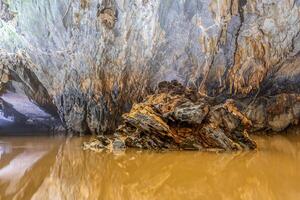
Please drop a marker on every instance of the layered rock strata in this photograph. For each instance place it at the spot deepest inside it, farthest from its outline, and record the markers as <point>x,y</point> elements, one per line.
<point>178,118</point>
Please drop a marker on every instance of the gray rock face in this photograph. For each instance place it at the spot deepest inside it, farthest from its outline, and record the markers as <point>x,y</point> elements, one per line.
<point>95,58</point>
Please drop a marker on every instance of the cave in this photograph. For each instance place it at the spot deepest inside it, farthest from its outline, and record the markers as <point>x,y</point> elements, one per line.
<point>149,99</point>
<point>25,105</point>
<point>23,116</point>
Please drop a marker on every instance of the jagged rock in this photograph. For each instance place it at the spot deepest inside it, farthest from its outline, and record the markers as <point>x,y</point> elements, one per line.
<point>189,113</point>
<point>274,113</point>
<point>172,119</point>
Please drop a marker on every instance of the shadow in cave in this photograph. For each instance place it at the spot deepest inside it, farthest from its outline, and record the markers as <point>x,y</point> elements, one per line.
<point>21,116</point>
<point>24,130</point>
<point>26,108</point>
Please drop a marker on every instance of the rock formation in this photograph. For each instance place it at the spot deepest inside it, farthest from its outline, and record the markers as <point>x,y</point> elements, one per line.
<point>89,61</point>
<point>177,118</point>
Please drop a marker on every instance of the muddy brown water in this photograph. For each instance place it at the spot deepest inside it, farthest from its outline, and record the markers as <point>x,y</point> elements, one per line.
<point>57,168</point>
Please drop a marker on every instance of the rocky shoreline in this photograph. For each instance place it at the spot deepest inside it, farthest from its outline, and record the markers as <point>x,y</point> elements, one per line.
<point>178,118</point>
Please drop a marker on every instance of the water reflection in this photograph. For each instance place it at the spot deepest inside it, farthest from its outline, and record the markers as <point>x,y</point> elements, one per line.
<point>59,169</point>
<point>4,149</point>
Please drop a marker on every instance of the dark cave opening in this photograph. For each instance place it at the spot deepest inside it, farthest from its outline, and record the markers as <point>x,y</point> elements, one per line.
<point>26,108</point>
<point>20,114</point>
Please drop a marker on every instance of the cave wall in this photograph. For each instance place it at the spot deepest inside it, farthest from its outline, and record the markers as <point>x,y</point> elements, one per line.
<point>97,57</point>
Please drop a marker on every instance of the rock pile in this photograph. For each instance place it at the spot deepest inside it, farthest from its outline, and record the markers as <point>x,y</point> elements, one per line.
<point>177,118</point>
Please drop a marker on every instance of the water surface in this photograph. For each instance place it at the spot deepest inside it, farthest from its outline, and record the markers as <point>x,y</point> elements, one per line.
<point>57,168</point>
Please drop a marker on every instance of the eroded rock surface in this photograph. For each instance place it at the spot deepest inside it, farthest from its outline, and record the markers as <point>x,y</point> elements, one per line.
<point>178,118</point>
<point>96,58</point>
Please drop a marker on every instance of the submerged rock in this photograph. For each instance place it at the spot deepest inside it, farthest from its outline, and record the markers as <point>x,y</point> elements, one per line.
<point>178,118</point>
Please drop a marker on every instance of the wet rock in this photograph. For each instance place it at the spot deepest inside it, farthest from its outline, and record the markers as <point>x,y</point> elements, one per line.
<point>175,117</point>
<point>98,144</point>
<point>171,119</point>
<point>118,145</point>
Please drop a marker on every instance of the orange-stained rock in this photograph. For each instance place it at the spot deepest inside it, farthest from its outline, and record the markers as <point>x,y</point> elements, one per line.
<point>177,118</point>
